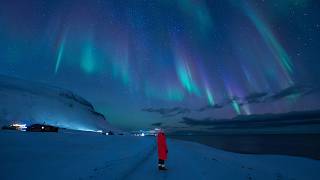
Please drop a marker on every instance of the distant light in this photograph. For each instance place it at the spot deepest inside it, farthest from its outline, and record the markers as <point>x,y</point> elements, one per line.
<point>142,134</point>
<point>42,127</point>
<point>99,131</point>
<point>107,133</point>
<point>85,129</point>
<point>21,127</point>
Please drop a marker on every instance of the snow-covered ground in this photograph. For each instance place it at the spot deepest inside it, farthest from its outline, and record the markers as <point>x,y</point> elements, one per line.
<point>79,155</point>
<point>28,102</point>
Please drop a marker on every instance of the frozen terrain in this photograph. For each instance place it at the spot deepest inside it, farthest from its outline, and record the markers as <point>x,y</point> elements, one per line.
<point>84,155</point>
<point>28,102</point>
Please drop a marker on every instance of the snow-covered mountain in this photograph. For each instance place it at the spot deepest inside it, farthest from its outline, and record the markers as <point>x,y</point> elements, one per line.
<point>23,101</point>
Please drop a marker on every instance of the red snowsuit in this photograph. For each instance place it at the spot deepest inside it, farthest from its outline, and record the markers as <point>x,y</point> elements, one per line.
<point>162,146</point>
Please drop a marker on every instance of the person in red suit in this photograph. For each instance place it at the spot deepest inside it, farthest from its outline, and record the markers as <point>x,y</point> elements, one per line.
<point>162,150</point>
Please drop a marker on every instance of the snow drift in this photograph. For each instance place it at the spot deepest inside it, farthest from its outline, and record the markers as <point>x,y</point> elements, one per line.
<point>29,102</point>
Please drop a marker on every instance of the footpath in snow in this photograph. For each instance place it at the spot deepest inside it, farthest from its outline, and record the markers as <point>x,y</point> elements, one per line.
<point>75,155</point>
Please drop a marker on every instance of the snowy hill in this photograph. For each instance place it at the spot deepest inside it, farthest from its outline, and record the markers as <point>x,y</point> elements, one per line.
<point>28,102</point>
<point>83,155</point>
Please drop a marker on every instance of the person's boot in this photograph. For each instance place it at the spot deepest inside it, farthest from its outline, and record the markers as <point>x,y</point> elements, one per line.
<point>162,168</point>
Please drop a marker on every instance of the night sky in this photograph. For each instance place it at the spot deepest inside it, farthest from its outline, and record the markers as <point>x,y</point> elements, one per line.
<point>156,61</point>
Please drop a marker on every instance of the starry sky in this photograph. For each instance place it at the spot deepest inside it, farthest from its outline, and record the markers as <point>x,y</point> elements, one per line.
<point>144,62</point>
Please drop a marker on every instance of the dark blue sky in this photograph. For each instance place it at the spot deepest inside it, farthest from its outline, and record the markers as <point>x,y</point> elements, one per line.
<point>146,61</point>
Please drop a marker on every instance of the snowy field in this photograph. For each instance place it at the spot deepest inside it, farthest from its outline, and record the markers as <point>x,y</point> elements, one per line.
<point>79,155</point>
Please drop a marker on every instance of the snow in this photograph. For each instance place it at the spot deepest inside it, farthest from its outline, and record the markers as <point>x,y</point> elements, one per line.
<point>29,102</point>
<point>83,155</point>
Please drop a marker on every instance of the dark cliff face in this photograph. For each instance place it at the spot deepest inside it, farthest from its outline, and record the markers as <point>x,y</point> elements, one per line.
<point>72,96</point>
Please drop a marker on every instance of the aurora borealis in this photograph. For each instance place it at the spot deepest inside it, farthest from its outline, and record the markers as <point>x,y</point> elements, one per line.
<point>225,57</point>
